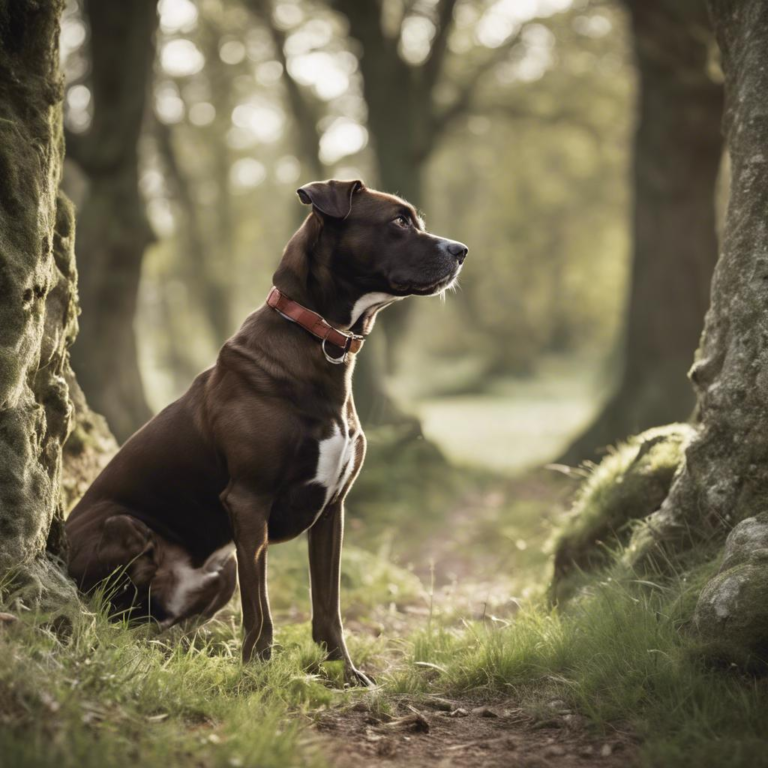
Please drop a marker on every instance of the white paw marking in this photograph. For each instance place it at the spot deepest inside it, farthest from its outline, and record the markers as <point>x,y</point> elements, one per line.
<point>335,462</point>
<point>189,580</point>
<point>368,301</point>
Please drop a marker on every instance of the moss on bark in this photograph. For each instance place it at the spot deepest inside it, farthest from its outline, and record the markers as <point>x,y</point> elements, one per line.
<point>630,484</point>
<point>38,313</point>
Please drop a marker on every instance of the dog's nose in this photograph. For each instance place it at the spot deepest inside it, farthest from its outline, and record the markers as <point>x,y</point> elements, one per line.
<point>458,250</point>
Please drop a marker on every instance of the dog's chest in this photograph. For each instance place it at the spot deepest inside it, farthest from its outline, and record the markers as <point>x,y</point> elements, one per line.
<point>335,461</point>
<point>325,466</point>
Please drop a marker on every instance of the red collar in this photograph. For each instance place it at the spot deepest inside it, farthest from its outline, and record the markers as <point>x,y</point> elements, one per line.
<point>316,325</point>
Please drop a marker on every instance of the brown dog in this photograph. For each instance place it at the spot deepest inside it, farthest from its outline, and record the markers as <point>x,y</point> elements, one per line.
<point>266,444</point>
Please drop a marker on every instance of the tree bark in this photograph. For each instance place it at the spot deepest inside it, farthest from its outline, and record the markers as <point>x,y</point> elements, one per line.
<point>725,478</point>
<point>677,153</point>
<point>38,310</point>
<point>723,486</point>
<point>113,231</point>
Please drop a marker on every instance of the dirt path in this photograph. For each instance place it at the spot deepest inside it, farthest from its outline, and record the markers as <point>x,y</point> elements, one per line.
<point>466,733</point>
<point>471,731</point>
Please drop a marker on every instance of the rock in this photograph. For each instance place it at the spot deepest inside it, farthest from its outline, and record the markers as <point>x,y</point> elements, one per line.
<point>460,712</point>
<point>747,543</point>
<point>386,748</point>
<point>555,750</point>
<point>575,722</point>
<point>606,750</point>
<point>732,612</point>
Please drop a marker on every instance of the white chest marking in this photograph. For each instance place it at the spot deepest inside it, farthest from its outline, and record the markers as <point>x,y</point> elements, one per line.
<point>335,462</point>
<point>189,579</point>
<point>369,301</point>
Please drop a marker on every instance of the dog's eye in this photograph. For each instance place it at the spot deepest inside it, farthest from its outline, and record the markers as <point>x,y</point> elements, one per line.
<point>403,221</point>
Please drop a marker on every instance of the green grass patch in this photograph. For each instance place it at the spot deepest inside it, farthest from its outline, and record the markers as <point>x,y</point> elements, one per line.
<point>97,693</point>
<point>622,657</point>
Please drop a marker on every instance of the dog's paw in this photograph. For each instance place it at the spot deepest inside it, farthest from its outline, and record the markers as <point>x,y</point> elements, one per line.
<point>354,676</point>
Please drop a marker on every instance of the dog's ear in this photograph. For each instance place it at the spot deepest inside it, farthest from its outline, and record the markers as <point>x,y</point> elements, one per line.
<point>332,198</point>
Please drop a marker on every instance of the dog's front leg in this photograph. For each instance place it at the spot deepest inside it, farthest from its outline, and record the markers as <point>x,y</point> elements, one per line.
<point>325,539</point>
<point>249,515</point>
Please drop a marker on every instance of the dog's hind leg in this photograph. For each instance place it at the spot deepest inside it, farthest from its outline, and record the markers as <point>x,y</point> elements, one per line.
<point>325,540</point>
<point>249,515</point>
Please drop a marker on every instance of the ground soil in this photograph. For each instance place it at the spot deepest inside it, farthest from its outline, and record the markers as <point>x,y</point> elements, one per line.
<point>470,734</point>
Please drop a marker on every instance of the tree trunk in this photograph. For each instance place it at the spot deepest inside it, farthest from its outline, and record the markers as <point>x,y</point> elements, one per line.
<point>724,479</point>
<point>113,231</point>
<point>677,154</point>
<point>726,472</point>
<point>38,311</point>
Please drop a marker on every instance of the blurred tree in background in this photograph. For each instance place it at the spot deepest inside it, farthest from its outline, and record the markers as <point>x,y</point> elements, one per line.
<point>677,152</point>
<point>112,227</point>
<point>508,123</point>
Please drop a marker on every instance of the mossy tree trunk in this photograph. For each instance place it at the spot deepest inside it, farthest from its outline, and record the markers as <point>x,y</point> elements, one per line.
<point>113,231</point>
<point>721,491</point>
<point>677,153</point>
<point>725,478</point>
<point>38,310</point>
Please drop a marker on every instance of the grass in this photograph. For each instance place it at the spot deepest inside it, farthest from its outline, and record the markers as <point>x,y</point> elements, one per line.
<point>103,694</point>
<point>87,692</point>
<point>621,658</point>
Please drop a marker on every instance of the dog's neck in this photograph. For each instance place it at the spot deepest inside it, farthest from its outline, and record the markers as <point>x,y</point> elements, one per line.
<point>304,275</point>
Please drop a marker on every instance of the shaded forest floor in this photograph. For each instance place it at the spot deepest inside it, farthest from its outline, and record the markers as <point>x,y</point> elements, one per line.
<point>444,586</point>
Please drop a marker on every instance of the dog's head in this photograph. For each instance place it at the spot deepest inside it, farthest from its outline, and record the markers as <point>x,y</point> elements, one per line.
<point>364,249</point>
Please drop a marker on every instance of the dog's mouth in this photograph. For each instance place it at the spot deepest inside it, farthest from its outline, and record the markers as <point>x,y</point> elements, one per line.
<point>434,288</point>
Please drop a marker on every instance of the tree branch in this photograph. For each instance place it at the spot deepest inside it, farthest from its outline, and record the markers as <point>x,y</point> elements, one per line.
<point>304,114</point>
<point>433,65</point>
<point>463,101</point>
<point>365,24</point>
<point>365,27</point>
<point>568,116</point>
